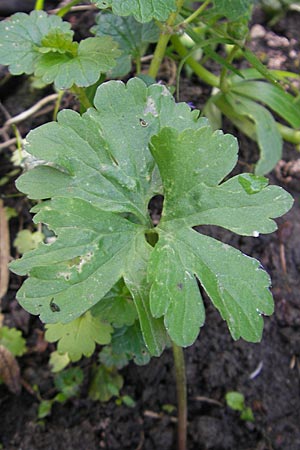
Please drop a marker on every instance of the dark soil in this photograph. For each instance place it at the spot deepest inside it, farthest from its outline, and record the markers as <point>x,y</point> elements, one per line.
<point>268,374</point>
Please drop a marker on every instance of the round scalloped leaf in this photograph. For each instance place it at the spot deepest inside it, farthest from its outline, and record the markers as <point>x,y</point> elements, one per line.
<point>142,10</point>
<point>21,36</point>
<point>94,56</point>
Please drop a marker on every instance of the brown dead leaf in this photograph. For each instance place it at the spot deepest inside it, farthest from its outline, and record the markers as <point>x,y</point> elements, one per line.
<point>4,251</point>
<point>10,370</point>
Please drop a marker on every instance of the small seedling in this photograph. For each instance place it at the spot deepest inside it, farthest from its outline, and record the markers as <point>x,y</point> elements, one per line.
<point>236,401</point>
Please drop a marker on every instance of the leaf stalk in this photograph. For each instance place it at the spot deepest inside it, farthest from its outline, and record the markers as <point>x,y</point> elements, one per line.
<point>163,40</point>
<point>204,74</point>
<point>181,395</point>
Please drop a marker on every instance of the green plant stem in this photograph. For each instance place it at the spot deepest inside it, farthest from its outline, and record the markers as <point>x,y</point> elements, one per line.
<point>199,70</point>
<point>196,13</point>
<point>82,97</point>
<point>181,395</point>
<point>138,65</point>
<point>57,103</point>
<point>163,40</point>
<point>39,4</point>
<point>65,9</point>
<point>289,134</point>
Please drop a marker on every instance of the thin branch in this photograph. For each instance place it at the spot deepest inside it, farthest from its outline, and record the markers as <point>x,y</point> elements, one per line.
<point>29,112</point>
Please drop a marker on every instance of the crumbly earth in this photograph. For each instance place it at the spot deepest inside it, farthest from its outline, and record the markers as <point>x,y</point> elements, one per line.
<point>268,374</point>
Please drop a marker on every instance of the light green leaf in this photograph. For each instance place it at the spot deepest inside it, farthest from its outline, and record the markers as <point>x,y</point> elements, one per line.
<point>79,337</point>
<point>26,240</point>
<point>268,137</point>
<point>133,38</point>
<point>142,10</point>
<point>235,400</point>
<point>42,44</point>
<point>12,339</point>
<point>58,361</point>
<point>94,56</point>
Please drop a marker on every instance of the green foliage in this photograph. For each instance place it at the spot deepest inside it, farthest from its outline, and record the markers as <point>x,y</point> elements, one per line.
<point>236,401</point>
<point>105,191</point>
<point>233,9</point>
<point>79,337</point>
<point>27,240</point>
<point>12,339</point>
<point>106,383</point>
<point>58,361</point>
<point>129,342</point>
<point>117,307</point>
<point>67,384</point>
<point>142,10</point>
<point>42,44</point>
<point>132,37</point>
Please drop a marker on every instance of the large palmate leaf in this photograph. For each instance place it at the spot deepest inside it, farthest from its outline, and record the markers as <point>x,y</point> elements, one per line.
<point>42,44</point>
<point>100,170</point>
<point>236,284</point>
<point>96,166</point>
<point>133,38</point>
<point>142,10</point>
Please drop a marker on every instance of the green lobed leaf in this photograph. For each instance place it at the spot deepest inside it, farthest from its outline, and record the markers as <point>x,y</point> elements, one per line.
<point>21,36</point>
<point>94,56</point>
<point>133,38</point>
<point>12,339</point>
<point>101,175</point>
<point>92,172</point>
<point>42,44</point>
<point>79,337</point>
<point>142,10</point>
<point>198,198</point>
<point>235,283</point>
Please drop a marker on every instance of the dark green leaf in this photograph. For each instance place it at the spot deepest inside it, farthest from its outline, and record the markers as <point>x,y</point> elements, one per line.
<point>133,38</point>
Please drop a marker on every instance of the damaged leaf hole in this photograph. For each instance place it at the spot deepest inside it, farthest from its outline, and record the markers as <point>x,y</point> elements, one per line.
<point>155,207</point>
